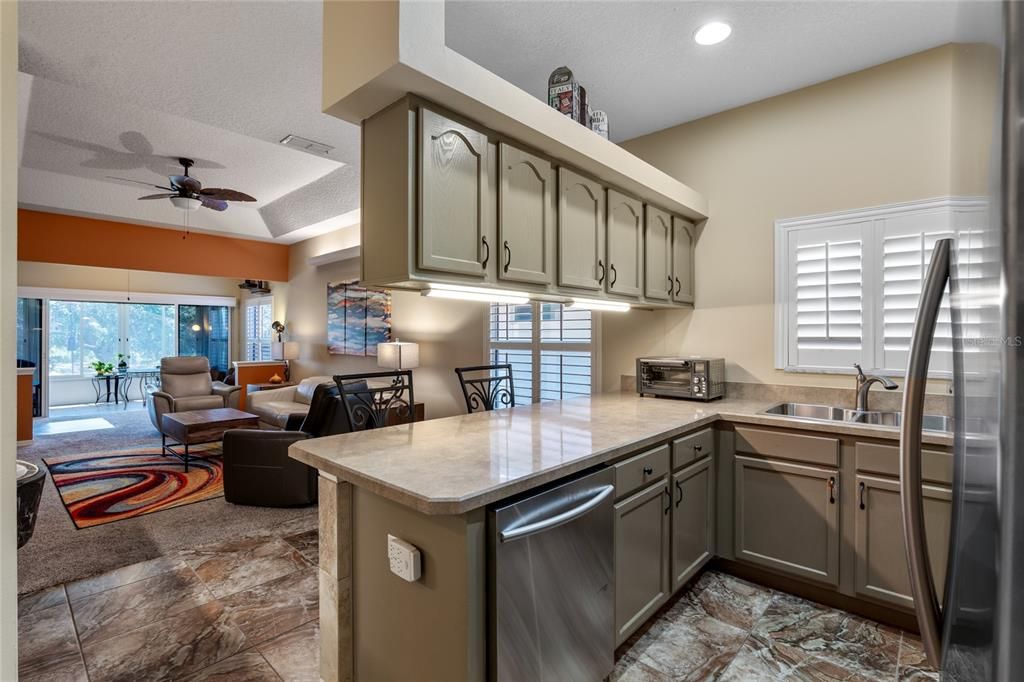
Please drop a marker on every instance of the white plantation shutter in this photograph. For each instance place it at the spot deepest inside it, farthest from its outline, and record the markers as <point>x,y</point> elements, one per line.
<point>826,281</point>
<point>549,347</point>
<point>907,245</point>
<point>258,334</point>
<point>848,284</point>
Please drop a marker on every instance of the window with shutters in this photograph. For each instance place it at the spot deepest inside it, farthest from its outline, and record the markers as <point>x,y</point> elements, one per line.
<point>259,315</point>
<point>550,348</point>
<point>847,284</point>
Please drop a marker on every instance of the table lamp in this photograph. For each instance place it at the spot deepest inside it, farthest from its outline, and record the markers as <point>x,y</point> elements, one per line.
<point>285,350</point>
<point>398,355</point>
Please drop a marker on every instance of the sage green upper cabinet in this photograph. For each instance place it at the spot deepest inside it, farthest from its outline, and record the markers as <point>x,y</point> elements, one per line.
<point>581,230</point>
<point>787,518</point>
<point>658,282</point>
<point>692,520</point>
<point>453,189</point>
<point>625,245</point>
<point>881,549</point>
<point>682,260</point>
<point>526,222</point>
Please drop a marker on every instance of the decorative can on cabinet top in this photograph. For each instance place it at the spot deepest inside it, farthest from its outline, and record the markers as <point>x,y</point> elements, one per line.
<point>564,92</point>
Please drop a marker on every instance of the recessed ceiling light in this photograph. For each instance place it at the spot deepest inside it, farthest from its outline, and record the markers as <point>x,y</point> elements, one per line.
<point>712,33</point>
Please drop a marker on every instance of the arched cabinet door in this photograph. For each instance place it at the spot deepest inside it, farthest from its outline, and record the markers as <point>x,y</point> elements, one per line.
<point>682,260</point>
<point>526,224</point>
<point>625,245</point>
<point>658,282</point>
<point>581,221</point>
<point>453,193</point>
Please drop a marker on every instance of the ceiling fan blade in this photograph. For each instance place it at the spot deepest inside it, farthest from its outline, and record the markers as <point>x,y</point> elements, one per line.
<point>225,194</point>
<point>159,196</point>
<point>185,182</point>
<point>140,182</point>
<point>215,204</point>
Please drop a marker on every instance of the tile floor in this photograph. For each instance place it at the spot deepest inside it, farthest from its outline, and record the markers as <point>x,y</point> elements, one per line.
<point>725,628</point>
<point>247,609</point>
<point>239,610</point>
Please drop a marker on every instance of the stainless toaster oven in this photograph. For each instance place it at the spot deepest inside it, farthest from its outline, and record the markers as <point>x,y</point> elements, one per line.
<point>681,377</point>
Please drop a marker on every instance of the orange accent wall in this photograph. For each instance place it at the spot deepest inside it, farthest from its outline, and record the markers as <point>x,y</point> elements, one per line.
<point>255,374</point>
<point>72,240</point>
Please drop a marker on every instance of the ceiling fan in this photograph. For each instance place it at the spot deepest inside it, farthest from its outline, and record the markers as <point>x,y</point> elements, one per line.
<point>188,194</point>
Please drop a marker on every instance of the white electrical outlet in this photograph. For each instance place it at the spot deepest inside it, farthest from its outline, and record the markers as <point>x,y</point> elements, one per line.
<point>404,559</point>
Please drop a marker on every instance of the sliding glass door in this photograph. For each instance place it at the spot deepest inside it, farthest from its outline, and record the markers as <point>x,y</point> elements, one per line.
<point>149,332</point>
<point>205,330</point>
<point>30,345</point>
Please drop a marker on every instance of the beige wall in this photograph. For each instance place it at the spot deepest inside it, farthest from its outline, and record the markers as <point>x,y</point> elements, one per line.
<point>450,333</point>
<point>874,137</point>
<point>8,349</point>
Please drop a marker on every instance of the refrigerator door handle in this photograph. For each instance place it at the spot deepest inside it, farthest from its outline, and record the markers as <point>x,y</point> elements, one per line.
<point>926,602</point>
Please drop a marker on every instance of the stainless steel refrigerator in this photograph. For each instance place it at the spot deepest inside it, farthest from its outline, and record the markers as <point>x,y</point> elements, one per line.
<point>978,631</point>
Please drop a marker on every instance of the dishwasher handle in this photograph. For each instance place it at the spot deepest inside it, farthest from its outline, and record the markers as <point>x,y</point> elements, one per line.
<point>558,519</point>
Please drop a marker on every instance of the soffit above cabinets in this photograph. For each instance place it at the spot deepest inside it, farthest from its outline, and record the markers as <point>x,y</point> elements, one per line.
<point>376,53</point>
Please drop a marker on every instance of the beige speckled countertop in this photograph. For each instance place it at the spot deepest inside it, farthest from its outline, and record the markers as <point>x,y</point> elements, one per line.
<point>456,464</point>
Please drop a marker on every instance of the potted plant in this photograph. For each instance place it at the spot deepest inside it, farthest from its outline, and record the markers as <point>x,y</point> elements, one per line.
<point>122,362</point>
<point>101,368</point>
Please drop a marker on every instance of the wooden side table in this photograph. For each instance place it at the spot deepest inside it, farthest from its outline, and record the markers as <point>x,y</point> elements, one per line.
<point>267,386</point>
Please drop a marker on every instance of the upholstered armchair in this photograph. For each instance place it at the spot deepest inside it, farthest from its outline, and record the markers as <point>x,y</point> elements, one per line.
<point>257,468</point>
<point>185,384</point>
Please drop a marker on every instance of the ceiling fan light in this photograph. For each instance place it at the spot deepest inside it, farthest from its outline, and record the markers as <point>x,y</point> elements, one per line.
<point>186,203</point>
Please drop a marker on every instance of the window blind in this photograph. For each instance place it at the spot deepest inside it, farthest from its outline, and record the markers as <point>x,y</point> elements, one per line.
<point>258,314</point>
<point>548,346</point>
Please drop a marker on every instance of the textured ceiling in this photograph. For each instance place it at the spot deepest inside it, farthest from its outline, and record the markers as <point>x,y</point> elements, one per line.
<point>120,86</point>
<point>640,64</point>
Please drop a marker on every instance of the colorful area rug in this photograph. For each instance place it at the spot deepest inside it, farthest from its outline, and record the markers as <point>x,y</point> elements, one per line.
<point>103,487</point>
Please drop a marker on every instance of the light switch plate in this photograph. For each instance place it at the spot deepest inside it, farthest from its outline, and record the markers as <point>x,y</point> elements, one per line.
<point>404,559</point>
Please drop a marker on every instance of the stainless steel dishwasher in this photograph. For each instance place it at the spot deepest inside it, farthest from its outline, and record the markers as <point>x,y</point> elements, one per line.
<point>551,583</point>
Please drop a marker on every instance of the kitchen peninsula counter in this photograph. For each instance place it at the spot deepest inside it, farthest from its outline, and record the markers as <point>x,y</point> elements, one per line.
<point>457,464</point>
<point>429,483</point>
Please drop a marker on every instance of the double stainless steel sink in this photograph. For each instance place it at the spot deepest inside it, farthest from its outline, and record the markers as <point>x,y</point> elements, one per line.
<point>829,413</point>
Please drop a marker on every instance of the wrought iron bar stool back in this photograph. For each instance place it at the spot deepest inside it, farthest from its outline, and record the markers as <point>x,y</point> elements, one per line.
<point>377,399</point>
<point>488,387</point>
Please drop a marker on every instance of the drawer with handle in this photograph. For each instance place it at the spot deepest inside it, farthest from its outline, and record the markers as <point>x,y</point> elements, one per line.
<point>692,447</point>
<point>640,470</point>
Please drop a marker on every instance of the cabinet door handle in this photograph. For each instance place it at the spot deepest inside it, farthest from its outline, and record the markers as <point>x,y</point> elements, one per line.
<point>615,275</point>
<point>668,500</point>
<point>679,285</point>
<point>600,264</point>
<point>679,489</point>
<point>508,256</point>
<point>648,471</point>
<point>670,285</point>
<point>831,489</point>
<point>487,251</point>
<point>862,486</point>
<point>698,448</point>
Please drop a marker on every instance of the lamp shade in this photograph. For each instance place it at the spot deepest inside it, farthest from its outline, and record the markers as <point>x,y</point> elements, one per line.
<point>287,350</point>
<point>398,355</point>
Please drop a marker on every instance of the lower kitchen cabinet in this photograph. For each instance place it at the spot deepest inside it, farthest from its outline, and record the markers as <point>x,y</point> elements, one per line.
<point>692,520</point>
<point>881,550</point>
<point>642,540</point>
<point>787,518</point>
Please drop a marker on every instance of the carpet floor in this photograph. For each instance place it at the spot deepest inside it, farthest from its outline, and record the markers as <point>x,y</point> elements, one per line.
<point>58,552</point>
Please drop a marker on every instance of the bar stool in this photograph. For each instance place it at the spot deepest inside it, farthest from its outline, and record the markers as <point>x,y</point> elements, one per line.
<point>377,399</point>
<point>487,387</point>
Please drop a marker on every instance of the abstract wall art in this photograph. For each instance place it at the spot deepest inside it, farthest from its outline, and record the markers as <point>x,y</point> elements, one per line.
<point>357,318</point>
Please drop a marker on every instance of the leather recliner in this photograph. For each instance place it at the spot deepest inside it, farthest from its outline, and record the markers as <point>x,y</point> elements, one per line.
<point>257,468</point>
<point>185,384</point>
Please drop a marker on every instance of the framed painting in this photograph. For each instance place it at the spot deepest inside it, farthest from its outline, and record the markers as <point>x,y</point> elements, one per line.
<point>357,318</point>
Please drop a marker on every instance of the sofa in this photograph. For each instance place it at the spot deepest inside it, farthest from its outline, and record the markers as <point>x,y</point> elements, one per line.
<point>185,384</point>
<point>276,405</point>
